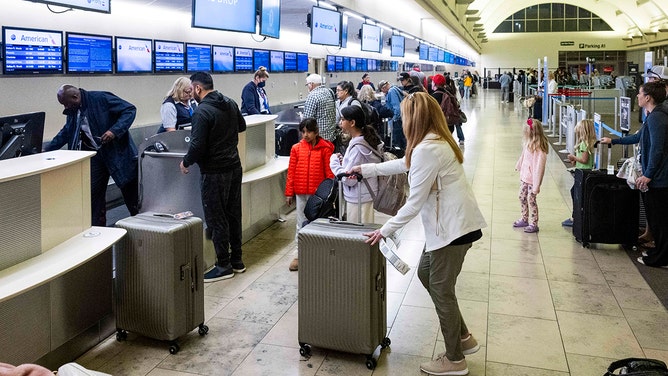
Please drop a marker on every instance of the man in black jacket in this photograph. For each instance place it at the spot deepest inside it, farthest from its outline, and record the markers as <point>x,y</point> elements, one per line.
<point>216,125</point>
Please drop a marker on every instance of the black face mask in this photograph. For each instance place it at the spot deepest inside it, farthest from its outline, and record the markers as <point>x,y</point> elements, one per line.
<point>261,84</point>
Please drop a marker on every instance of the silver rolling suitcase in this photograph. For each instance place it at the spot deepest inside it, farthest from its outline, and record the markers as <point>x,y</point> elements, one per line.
<point>342,297</point>
<point>159,286</point>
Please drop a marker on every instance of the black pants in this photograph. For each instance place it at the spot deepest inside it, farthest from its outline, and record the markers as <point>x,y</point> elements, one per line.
<point>99,179</point>
<point>221,199</point>
<point>656,200</point>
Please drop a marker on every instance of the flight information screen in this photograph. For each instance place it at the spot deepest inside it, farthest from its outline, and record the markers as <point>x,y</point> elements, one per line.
<point>29,51</point>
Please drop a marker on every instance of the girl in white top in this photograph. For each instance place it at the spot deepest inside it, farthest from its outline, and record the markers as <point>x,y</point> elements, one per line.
<point>442,196</point>
<point>364,147</point>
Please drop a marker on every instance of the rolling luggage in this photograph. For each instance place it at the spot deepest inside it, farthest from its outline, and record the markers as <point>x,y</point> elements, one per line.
<point>605,208</point>
<point>342,296</point>
<point>286,135</point>
<point>159,285</point>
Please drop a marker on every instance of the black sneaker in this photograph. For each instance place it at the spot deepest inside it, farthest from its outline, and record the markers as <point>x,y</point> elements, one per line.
<point>218,273</point>
<point>238,266</point>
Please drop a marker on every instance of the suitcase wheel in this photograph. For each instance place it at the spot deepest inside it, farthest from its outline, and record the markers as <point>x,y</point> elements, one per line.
<point>174,347</point>
<point>371,363</point>
<point>305,350</point>
<point>385,342</point>
<point>121,335</point>
<point>203,329</point>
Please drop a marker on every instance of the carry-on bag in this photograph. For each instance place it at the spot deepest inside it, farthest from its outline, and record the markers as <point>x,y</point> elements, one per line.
<point>159,284</point>
<point>342,295</point>
<point>605,208</point>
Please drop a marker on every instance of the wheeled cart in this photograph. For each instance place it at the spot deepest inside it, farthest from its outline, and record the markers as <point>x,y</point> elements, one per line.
<point>159,286</point>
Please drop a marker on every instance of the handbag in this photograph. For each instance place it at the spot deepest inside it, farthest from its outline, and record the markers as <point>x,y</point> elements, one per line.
<point>462,117</point>
<point>637,367</point>
<point>631,170</point>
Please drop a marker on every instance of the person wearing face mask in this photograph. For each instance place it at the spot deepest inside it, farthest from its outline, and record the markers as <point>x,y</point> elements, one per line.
<point>178,107</point>
<point>253,97</point>
<point>99,121</point>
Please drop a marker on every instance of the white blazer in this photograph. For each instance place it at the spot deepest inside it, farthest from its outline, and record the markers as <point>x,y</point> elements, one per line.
<point>439,192</point>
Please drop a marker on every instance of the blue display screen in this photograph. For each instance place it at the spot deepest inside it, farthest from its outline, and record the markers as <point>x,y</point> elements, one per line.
<point>233,15</point>
<point>89,53</point>
<point>199,57</point>
<point>260,59</point>
<point>424,51</point>
<point>346,64</point>
<point>441,56</point>
<point>353,64</point>
<point>134,55</point>
<point>433,54</point>
<point>290,61</point>
<point>338,64</point>
<point>223,59</point>
<point>331,63</point>
<point>169,56</point>
<point>277,61</point>
<point>398,44</point>
<point>32,51</point>
<point>372,38</point>
<point>325,26</point>
<point>243,59</point>
<point>270,18</point>
<point>302,62</point>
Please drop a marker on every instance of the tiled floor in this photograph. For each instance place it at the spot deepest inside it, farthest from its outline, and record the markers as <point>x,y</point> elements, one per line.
<point>539,304</point>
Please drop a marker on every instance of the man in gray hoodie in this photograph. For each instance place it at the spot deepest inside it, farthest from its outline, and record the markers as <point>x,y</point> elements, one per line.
<point>216,125</point>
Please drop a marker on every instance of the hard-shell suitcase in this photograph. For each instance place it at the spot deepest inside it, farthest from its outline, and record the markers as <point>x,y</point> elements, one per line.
<point>286,135</point>
<point>159,286</point>
<point>605,209</point>
<point>342,297</point>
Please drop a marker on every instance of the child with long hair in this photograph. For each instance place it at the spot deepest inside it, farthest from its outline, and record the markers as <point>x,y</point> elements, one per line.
<point>585,135</point>
<point>364,147</point>
<point>531,166</point>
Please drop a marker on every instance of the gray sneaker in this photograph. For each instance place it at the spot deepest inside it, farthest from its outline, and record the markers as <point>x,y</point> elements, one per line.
<point>470,345</point>
<point>443,366</point>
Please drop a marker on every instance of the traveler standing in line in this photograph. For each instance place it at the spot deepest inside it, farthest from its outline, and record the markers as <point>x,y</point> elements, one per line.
<point>99,121</point>
<point>441,88</point>
<point>320,104</point>
<point>468,82</point>
<point>366,80</point>
<point>505,80</point>
<point>365,147</point>
<point>178,107</point>
<point>438,188</point>
<point>253,96</point>
<point>584,154</point>
<point>216,125</point>
<point>653,140</point>
<point>346,96</point>
<point>531,166</point>
<point>393,99</point>
<point>308,167</point>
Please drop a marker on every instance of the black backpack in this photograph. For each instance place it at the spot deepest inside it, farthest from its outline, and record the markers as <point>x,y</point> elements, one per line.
<point>637,367</point>
<point>322,203</point>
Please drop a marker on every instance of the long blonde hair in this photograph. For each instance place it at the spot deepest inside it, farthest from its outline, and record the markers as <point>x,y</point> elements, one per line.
<point>534,136</point>
<point>585,132</point>
<point>421,115</point>
<point>179,86</point>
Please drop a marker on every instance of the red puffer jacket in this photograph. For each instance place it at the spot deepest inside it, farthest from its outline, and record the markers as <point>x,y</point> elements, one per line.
<point>309,166</point>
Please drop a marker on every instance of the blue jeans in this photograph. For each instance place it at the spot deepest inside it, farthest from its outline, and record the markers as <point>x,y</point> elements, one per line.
<point>460,132</point>
<point>221,199</point>
<point>398,138</point>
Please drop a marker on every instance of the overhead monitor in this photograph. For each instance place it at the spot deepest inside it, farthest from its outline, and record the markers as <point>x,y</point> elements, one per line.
<point>424,51</point>
<point>344,31</point>
<point>346,64</point>
<point>325,26</point>
<point>230,15</point>
<point>302,62</point>
<point>30,51</point>
<point>133,55</point>
<point>398,46</point>
<point>290,61</point>
<point>260,59</point>
<point>432,55</point>
<point>338,63</point>
<point>441,56</point>
<point>270,18</point>
<point>169,56</point>
<point>353,64</point>
<point>103,6</point>
<point>372,38</point>
<point>277,61</point>
<point>21,134</point>
<point>243,59</point>
<point>87,53</point>
<point>198,57</point>
<point>223,59</point>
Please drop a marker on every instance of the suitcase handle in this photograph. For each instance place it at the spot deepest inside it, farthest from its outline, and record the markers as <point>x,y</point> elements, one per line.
<point>347,175</point>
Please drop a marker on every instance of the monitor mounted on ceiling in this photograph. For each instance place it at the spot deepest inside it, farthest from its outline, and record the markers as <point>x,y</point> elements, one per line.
<point>270,18</point>
<point>325,27</point>
<point>372,38</point>
<point>103,6</point>
<point>398,44</point>
<point>228,15</point>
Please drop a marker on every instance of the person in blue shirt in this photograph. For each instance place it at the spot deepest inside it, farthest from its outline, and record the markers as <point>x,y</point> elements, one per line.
<point>393,98</point>
<point>178,107</point>
<point>253,96</point>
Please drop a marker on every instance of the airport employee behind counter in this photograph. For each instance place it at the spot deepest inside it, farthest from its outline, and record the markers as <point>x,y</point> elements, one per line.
<point>99,121</point>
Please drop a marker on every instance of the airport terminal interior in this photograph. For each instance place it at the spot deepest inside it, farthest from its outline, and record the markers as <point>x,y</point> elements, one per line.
<point>539,304</point>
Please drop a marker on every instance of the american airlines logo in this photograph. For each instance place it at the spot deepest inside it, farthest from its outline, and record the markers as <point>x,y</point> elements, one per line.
<point>325,26</point>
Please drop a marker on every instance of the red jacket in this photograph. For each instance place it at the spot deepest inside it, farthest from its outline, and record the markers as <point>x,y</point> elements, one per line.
<point>309,166</point>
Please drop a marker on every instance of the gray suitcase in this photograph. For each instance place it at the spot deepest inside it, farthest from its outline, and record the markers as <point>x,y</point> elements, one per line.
<point>342,298</point>
<point>159,284</point>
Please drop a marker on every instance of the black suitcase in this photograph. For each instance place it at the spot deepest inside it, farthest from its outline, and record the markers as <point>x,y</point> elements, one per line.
<point>286,136</point>
<point>605,209</point>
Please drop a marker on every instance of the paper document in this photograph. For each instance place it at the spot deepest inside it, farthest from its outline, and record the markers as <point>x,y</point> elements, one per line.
<point>389,249</point>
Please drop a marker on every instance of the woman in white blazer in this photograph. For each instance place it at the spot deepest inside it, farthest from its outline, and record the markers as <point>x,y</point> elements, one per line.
<point>440,193</point>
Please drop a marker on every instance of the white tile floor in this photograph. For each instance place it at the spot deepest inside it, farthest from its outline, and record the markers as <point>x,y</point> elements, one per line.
<point>539,304</point>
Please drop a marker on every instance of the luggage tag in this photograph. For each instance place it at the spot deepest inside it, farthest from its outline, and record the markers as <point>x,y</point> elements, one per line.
<point>388,249</point>
<point>181,215</point>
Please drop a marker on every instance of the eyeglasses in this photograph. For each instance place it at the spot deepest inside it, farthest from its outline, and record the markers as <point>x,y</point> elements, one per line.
<point>337,90</point>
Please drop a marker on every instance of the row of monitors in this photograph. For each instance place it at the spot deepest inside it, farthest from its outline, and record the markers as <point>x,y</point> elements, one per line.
<point>30,51</point>
<point>430,53</point>
<point>358,64</point>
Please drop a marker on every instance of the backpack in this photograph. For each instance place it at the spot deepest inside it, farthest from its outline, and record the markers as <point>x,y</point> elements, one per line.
<point>391,189</point>
<point>450,109</point>
<point>372,116</point>
<point>322,203</point>
<point>638,367</point>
